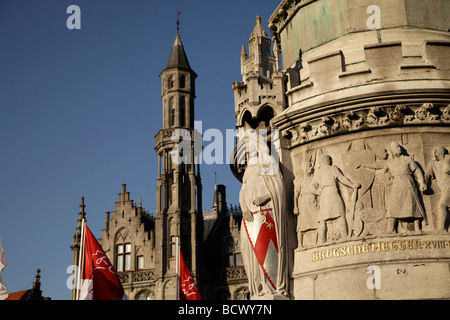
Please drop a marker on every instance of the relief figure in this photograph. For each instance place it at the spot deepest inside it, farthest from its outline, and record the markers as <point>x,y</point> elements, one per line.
<point>440,172</point>
<point>331,205</point>
<point>306,203</point>
<point>403,203</point>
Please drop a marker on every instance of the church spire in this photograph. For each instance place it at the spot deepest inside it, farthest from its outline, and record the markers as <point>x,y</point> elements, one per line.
<point>178,58</point>
<point>82,213</point>
<point>178,191</point>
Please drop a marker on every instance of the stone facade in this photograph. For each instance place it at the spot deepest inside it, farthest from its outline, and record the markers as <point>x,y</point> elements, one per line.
<point>261,94</point>
<point>364,147</point>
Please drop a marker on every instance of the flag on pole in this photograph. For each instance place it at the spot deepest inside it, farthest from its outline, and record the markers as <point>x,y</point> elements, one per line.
<point>188,288</point>
<point>99,278</point>
<point>3,292</point>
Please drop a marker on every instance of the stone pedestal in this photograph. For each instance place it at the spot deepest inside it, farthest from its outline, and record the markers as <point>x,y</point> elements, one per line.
<point>395,267</point>
<point>269,297</point>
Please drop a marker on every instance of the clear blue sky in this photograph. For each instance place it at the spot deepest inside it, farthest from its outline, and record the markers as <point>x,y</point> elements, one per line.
<point>80,109</point>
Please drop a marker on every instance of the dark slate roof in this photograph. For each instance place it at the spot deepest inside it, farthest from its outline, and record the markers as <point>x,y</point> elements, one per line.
<point>178,57</point>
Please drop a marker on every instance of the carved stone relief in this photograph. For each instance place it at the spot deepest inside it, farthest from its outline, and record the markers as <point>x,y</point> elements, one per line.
<point>407,182</point>
<point>371,192</point>
<point>439,170</point>
<point>364,119</point>
<point>123,235</point>
<point>327,178</point>
<point>306,204</point>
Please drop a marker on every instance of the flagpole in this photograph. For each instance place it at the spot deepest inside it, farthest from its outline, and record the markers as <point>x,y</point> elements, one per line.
<point>81,259</point>
<point>177,267</point>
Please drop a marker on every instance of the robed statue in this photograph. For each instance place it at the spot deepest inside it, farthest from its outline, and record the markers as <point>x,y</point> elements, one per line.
<point>263,230</point>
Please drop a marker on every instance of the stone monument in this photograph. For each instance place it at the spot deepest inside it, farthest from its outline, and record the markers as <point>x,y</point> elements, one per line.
<point>364,126</point>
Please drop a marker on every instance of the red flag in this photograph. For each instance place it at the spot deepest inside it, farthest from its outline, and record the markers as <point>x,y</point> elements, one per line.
<point>188,289</point>
<point>99,278</point>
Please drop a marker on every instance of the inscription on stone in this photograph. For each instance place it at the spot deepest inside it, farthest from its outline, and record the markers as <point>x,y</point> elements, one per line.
<point>367,248</point>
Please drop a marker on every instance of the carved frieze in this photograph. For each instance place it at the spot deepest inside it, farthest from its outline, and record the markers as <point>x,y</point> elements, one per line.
<point>371,193</point>
<point>374,117</point>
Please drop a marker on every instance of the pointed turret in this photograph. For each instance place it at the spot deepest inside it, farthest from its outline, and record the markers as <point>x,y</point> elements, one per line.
<point>261,94</point>
<point>178,58</point>
<point>82,213</point>
<point>243,52</point>
<point>258,30</point>
<point>243,58</point>
<point>178,192</point>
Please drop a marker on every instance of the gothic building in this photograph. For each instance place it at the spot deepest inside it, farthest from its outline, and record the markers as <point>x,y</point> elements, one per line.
<point>140,245</point>
<point>360,119</point>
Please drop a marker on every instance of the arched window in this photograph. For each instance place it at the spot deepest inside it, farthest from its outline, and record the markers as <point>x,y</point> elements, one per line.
<point>242,294</point>
<point>171,82</point>
<point>182,111</point>
<point>182,81</point>
<point>172,111</point>
<point>145,295</point>
<point>172,116</point>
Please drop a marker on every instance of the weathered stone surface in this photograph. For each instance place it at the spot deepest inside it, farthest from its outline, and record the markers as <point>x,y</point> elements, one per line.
<point>375,103</point>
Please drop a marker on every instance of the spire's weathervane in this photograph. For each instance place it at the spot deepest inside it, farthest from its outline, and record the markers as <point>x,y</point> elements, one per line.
<point>178,21</point>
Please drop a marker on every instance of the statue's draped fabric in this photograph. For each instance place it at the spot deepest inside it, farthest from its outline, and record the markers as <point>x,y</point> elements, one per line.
<point>267,232</point>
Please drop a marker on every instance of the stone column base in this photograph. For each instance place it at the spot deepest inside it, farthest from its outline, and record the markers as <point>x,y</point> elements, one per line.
<point>396,267</point>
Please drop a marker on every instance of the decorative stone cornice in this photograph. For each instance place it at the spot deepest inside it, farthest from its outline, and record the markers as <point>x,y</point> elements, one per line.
<point>283,14</point>
<point>367,118</point>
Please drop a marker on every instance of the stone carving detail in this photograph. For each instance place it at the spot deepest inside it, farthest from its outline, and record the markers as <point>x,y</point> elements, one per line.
<point>235,273</point>
<point>306,205</point>
<point>404,199</point>
<point>123,235</point>
<point>331,205</point>
<point>376,116</point>
<point>124,277</point>
<point>446,113</point>
<point>369,118</point>
<point>389,188</point>
<point>143,276</point>
<point>440,171</point>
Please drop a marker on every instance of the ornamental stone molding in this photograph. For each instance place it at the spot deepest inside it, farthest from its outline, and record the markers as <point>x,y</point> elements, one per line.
<point>314,126</point>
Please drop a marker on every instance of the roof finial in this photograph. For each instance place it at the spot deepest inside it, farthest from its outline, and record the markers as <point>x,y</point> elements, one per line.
<point>178,21</point>
<point>82,206</point>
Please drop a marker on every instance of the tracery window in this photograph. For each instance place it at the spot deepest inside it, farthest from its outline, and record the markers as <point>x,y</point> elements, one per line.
<point>145,295</point>
<point>123,257</point>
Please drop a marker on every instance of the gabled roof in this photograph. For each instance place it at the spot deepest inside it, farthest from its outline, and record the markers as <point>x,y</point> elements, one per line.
<point>19,295</point>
